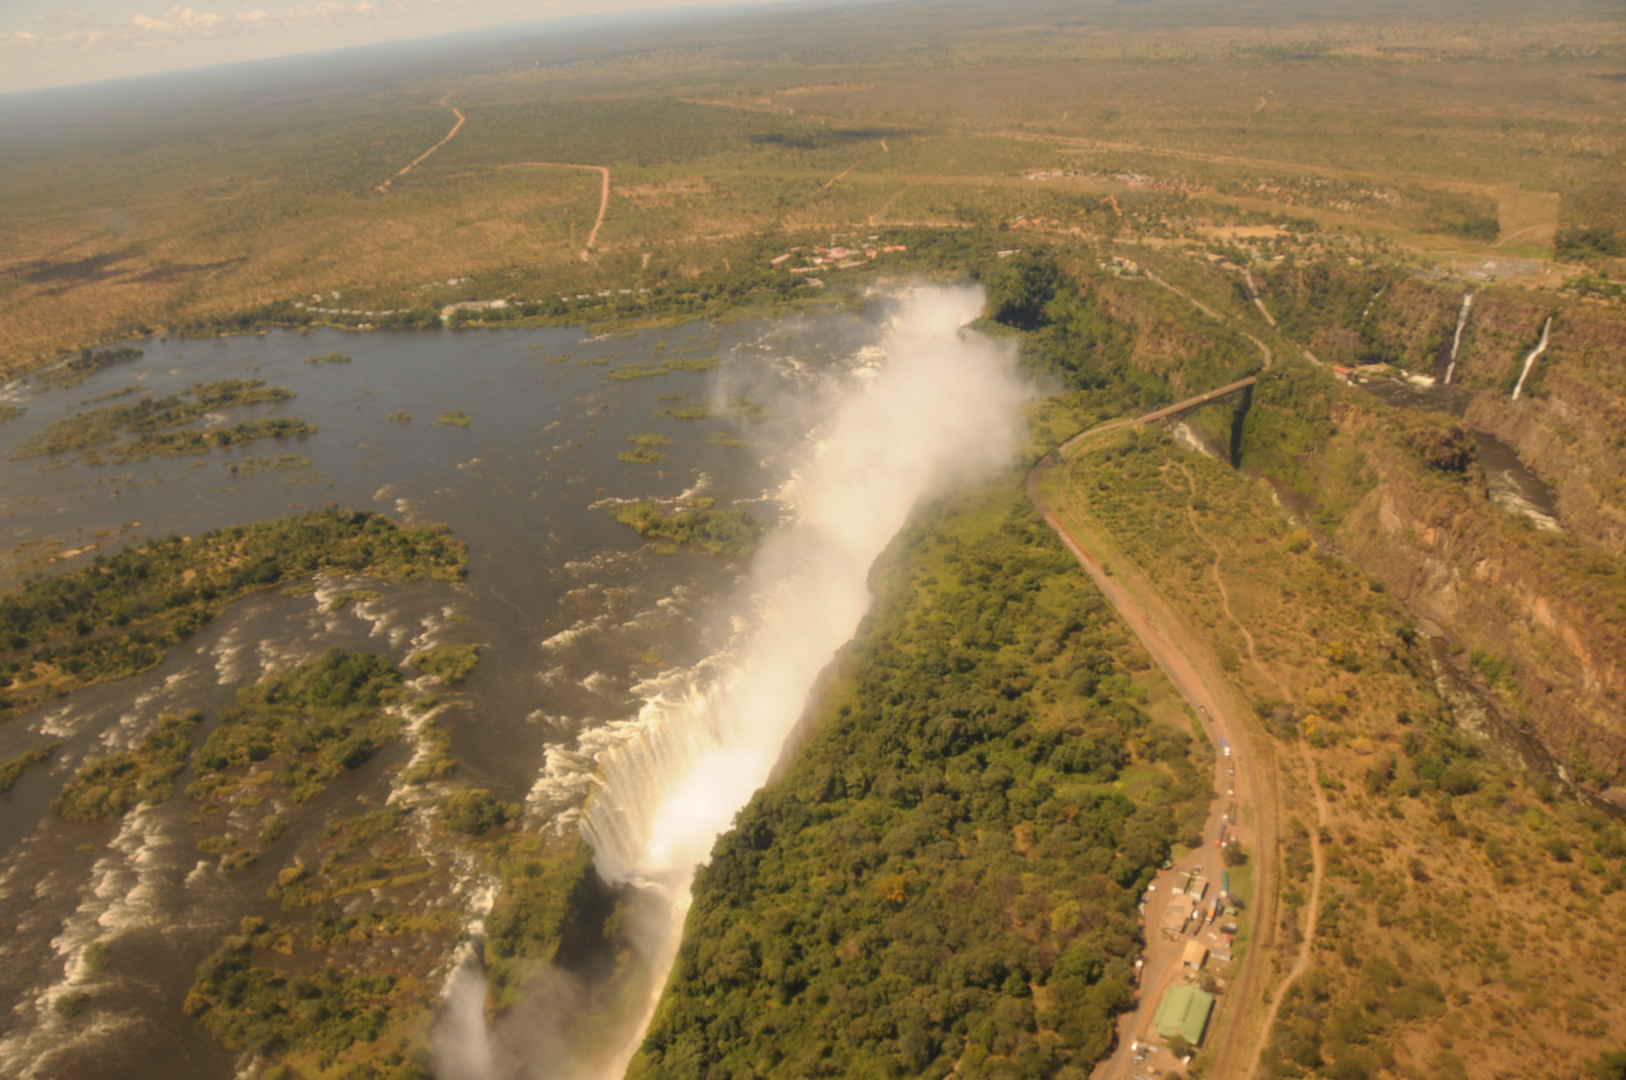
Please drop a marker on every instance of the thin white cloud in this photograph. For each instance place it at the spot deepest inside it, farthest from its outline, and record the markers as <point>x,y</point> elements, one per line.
<point>75,30</point>
<point>179,20</point>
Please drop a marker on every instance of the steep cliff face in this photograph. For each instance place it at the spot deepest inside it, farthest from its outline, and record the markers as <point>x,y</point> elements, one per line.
<point>1569,425</point>
<point>1416,321</point>
<point>1541,616</point>
<point>1496,585</point>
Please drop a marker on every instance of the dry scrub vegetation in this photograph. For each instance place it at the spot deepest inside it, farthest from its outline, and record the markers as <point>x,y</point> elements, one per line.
<point>1465,130</point>
<point>1469,914</point>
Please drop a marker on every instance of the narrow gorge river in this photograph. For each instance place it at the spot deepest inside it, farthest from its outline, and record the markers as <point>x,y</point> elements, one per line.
<point>1509,483</point>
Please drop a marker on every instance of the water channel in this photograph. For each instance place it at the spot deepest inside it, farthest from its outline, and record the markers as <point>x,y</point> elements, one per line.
<point>577,619</point>
<point>1508,481</point>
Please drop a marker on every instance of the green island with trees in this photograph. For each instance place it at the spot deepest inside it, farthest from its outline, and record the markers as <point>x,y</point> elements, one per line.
<point>149,418</point>
<point>298,730</point>
<point>109,787</point>
<point>11,770</point>
<point>701,526</point>
<point>451,664</point>
<point>121,614</point>
<point>87,362</point>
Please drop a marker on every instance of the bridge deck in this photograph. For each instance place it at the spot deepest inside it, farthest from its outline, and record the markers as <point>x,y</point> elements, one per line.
<point>1200,399</point>
<point>1160,414</point>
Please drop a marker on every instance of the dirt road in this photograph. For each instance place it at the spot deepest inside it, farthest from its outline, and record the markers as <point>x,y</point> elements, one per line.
<point>603,198</point>
<point>604,193</point>
<point>1301,964</point>
<point>1181,655</point>
<point>385,186</point>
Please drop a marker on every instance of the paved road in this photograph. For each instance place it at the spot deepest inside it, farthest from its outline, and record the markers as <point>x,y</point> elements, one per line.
<point>1179,653</point>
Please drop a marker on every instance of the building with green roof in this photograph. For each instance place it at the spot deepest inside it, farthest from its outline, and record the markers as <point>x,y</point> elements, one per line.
<point>1185,1009</point>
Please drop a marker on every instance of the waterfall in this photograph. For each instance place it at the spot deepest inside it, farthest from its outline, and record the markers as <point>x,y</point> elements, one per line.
<point>1456,340</point>
<point>1530,361</point>
<point>941,408</point>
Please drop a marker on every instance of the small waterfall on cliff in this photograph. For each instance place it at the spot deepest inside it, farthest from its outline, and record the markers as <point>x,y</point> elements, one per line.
<point>941,408</point>
<point>1456,340</point>
<point>1530,360</point>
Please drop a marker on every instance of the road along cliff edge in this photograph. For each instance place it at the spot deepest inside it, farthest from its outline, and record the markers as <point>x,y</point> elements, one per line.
<point>1180,653</point>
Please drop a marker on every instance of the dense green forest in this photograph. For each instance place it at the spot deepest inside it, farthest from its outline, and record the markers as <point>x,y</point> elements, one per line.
<point>945,881</point>
<point>121,614</point>
<point>1112,346</point>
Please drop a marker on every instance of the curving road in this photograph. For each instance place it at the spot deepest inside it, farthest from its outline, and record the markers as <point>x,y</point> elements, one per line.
<point>604,193</point>
<point>1234,1033</point>
<point>603,198</point>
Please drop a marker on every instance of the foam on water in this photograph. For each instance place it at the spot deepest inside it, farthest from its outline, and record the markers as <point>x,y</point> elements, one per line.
<point>127,891</point>
<point>56,724</point>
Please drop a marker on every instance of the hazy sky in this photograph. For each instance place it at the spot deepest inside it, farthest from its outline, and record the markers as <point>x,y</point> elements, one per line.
<point>44,43</point>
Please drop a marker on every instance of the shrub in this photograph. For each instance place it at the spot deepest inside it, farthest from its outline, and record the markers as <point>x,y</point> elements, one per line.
<point>107,787</point>
<point>475,811</point>
<point>451,664</point>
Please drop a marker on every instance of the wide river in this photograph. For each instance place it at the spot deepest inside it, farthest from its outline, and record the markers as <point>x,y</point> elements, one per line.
<point>574,615</point>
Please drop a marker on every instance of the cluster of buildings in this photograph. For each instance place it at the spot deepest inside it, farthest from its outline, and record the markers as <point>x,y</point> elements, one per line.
<point>836,257</point>
<point>1191,908</point>
<point>1186,1007</point>
<point>340,311</point>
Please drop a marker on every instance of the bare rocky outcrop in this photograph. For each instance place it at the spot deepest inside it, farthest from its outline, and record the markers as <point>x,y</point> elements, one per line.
<point>1491,583</point>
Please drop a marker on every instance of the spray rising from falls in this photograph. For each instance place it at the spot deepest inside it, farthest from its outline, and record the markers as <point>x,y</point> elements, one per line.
<point>1530,361</point>
<point>941,408</point>
<point>1456,340</point>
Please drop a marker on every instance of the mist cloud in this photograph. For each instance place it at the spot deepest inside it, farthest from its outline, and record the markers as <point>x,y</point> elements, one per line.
<point>940,410</point>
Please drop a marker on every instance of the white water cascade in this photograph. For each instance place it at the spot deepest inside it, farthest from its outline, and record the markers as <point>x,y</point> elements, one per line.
<point>942,408</point>
<point>1456,340</point>
<point>1530,361</point>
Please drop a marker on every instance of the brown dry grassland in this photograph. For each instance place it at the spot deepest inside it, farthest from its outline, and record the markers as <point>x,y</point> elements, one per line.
<point>1478,129</point>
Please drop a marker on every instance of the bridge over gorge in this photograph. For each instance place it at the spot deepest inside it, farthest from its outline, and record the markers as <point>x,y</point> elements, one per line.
<point>1058,454</point>
<point>1200,399</point>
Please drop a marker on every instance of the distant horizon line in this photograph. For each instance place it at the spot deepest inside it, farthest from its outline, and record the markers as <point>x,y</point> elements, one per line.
<point>698,11</point>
